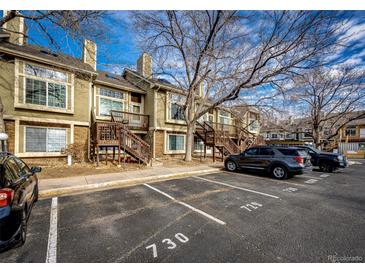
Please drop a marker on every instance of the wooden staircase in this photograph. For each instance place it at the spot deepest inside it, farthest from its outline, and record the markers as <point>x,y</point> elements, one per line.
<point>216,138</point>
<point>117,136</point>
<point>134,145</point>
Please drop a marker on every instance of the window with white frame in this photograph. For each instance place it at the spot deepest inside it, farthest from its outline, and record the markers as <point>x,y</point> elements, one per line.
<point>110,100</point>
<point>225,117</point>
<point>350,131</point>
<point>40,139</point>
<point>176,143</point>
<point>45,87</point>
<point>253,125</point>
<point>176,107</point>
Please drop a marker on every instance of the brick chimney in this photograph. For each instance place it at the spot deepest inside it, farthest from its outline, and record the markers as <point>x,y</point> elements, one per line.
<point>89,53</point>
<point>16,28</point>
<point>144,65</point>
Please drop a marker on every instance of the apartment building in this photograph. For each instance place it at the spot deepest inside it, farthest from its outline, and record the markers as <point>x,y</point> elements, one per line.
<point>53,100</point>
<point>289,131</point>
<point>351,139</point>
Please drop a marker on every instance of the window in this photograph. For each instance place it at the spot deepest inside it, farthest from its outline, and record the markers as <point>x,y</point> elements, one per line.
<point>307,133</point>
<point>274,136</point>
<point>24,169</point>
<point>266,151</point>
<point>5,176</point>
<point>110,100</point>
<point>198,144</point>
<point>36,92</point>
<point>350,131</point>
<point>176,142</point>
<point>111,93</point>
<point>39,139</point>
<point>288,152</point>
<point>14,168</point>
<point>225,117</point>
<point>252,152</point>
<point>45,92</point>
<point>45,73</point>
<point>176,107</point>
<point>56,95</point>
<point>253,125</point>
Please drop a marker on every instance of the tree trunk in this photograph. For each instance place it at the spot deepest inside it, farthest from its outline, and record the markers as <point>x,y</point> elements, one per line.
<point>190,128</point>
<point>2,123</point>
<point>316,137</point>
<point>189,142</point>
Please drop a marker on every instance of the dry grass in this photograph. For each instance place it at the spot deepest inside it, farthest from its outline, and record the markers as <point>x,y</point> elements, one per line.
<point>85,169</point>
<point>62,170</point>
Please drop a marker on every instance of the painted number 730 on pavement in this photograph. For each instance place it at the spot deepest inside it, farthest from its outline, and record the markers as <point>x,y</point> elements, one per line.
<point>169,244</point>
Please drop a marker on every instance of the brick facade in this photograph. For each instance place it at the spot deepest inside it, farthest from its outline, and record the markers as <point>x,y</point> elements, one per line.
<point>81,137</point>
<point>159,143</point>
<point>10,130</point>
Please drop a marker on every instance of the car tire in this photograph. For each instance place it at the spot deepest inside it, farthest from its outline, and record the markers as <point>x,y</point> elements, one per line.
<point>36,193</point>
<point>23,229</point>
<point>326,167</point>
<point>279,172</point>
<point>231,166</point>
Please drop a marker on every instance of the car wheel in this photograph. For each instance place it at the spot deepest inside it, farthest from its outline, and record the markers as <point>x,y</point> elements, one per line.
<point>279,172</point>
<point>231,166</point>
<point>326,167</point>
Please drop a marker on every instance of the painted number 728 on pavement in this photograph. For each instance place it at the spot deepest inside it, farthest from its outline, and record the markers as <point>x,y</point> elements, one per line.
<point>169,243</point>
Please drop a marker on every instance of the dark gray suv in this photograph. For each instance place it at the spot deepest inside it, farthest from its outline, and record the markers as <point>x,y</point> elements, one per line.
<point>280,162</point>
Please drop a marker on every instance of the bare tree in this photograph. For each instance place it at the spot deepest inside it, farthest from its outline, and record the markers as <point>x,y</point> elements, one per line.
<point>229,52</point>
<point>330,98</point>
<point>75,25</point>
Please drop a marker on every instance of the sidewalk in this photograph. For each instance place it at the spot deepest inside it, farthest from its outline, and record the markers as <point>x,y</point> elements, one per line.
<point>71,185</point>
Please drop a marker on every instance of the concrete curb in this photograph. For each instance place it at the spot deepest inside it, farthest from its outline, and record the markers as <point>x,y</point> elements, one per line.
<point>43,194</point>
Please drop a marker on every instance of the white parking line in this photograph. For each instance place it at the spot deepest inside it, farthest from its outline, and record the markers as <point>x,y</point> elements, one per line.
<point>324,175</point>
<point>289,182</point>
<point>236,187</point>
<point>187,205</point>
<point>309,177</point>
<point>52,236</point>
<point>311,181</point>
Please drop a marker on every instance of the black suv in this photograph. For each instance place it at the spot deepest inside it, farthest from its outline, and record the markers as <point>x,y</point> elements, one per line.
<point>326,161</point>
<point>280,162</point>
<point>18,193</point>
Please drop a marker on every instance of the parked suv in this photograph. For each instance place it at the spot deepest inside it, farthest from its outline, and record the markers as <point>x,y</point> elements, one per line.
<point>326,161</point>
<point>18,193</point>
<point>280,162</point>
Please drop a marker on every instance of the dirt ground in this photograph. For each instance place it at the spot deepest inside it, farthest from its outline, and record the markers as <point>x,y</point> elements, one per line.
<point>83,169</point>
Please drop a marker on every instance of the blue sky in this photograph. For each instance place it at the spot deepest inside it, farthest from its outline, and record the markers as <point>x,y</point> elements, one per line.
<point>121,49</point>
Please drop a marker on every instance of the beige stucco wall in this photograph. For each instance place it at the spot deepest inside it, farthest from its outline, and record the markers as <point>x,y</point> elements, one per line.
<point>7,93</point>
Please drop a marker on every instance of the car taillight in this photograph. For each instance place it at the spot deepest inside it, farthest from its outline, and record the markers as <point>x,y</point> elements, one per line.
<point>6,196</point>
<point>299,159</point>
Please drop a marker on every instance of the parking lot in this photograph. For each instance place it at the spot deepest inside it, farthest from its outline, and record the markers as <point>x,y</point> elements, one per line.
<point>220,217</point>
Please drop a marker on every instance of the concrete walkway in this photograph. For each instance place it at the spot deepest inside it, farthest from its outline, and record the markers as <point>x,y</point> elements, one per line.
<point>71,185</point>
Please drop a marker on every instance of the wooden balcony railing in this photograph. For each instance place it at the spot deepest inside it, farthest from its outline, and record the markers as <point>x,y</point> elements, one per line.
<point>135,121</point>
<point>231,130</point>
<point>105,133</point>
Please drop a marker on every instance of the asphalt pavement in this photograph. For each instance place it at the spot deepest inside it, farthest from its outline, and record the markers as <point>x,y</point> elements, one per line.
<point>218,217</point>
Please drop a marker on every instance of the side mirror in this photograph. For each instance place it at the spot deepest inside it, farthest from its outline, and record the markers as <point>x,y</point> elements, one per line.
<point>35,169</point>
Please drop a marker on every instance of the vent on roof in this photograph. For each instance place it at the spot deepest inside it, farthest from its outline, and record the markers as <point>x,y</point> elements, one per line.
<point>164,81</point>
<point>111,76</point>
<point>49,52</point>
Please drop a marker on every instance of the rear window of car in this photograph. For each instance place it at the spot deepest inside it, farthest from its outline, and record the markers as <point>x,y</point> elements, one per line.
<point>289,152</point>
<point>302,153</point>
